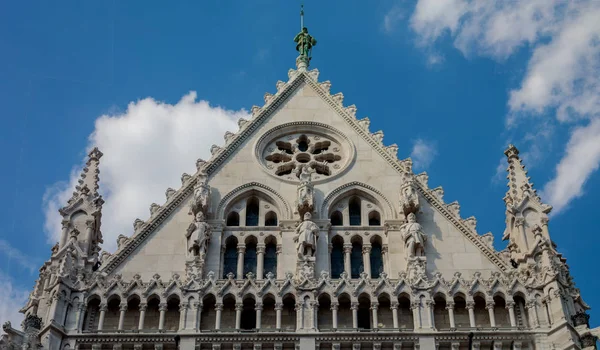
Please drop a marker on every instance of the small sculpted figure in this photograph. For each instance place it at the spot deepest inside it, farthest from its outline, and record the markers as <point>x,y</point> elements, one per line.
<point>413,236</point>
<point>306,239</point>
<point>198,234</point>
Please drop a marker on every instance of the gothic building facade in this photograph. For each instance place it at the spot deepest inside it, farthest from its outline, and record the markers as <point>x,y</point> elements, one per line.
<point>303,231</point>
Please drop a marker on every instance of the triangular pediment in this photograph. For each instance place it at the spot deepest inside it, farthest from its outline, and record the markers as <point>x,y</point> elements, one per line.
<point>280,108</point>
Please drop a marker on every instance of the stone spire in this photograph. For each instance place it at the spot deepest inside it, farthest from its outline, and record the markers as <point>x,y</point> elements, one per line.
<point>88,181</point>
<point>519,184</point>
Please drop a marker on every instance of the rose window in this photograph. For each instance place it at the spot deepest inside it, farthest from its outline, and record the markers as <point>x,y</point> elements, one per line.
<point>285,155</point>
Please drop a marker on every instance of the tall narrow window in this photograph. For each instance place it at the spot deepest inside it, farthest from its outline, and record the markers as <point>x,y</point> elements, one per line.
<point>376,260</point>
<point>252,212</point>
<point>250,259</point>
<point>271,219</point>
<point>356,260</point>
<point>270,259</point>
<point>337,257</point>
<point>337,219</point>
<point>230,259</point>
<point>354,211</point>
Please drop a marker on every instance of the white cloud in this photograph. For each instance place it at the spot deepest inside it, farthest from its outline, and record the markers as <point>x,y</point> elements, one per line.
<point>422,153</point>
<point>582,158</point>
<point>16,256</point>
<point>146,149</point>
<point>391,18</point>
<point>12,299</point>
<point>563,74</point>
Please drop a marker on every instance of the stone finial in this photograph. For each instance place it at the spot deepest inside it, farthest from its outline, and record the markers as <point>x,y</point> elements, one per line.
<point>519,184</point>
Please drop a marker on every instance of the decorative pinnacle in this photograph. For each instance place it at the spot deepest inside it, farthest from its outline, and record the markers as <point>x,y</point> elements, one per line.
<point>519,184</point>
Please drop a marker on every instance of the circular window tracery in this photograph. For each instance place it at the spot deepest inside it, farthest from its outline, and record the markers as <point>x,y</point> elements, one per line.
<point>287,149</point>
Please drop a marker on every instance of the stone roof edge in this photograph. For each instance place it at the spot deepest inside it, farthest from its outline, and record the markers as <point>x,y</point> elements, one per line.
<point>247,128</point>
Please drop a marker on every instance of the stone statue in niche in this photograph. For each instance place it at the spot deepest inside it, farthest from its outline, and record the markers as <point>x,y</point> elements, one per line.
<point>413,236</point>
<point>306,239</point>
<point>409,200</point>
<point>201,196</point>
<point>305,202</point>
<point>198,235</point>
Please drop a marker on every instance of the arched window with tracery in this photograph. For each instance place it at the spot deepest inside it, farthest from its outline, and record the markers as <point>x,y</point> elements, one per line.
<point>252,215</point>
<point>230,258</point>
<point>354,212</point>
<point>337,257</point>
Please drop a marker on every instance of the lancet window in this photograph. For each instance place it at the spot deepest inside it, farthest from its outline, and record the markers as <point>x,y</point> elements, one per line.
<point>254,210</point>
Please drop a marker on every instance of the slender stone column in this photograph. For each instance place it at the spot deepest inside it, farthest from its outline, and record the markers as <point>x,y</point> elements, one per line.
<point>429,304</point>
<point>219,310</point>
<point>354,308</point>
<point>161,321</point>
<point>260,261</point>
<point>450,308</point>
<point>374,307</point>
<point>315,312</point>
<point>490,307</point>
<point>78,317</point>
<point>471,309</point>
<point>258,308</point>
<point>520,224</point>
<point>122,310</point>
<point>415,306</point>
<point>143,308</point>
<point>64,234</point>
<point>103,308</point>
<point>544,221</point>
<point>198,307</point>
<point>532,312</point>
<point>279,252</point>
<point>334,315</point>
<point>347,252</point>
<point>241,249</point>
<point>53,306</point>
<point>183,307</point>
<point>384,257</point>
<point>89,230</point>
<point>394,308</point>
<point>278,308</point>
<point>510,306</point>
<point>299,315</point>
<point>238,315</point>
<point>366,250</point>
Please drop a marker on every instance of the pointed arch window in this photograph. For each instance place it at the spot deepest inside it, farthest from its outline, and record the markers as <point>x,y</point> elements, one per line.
<point>271,219</point>
<point>354,211</point>
<point>376,260</point>
<point>356,260</point>
<point>250,259</point>
<point>337,257</point>
<point>230,259</point>
<point>233,219</point>
<point>374,218</point>
<point>337,219</point>
<point>252,212</point>
<point>270,259</point>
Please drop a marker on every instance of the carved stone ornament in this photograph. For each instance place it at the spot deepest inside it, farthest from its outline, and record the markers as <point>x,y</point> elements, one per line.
<point>198,236</point>
<point>201,197</point>
<point>413,236</point>
<point>307,234</point>
<point>580,318</point>
<point>588,340</point>
<point>305,202</point>
<point>409,200</point>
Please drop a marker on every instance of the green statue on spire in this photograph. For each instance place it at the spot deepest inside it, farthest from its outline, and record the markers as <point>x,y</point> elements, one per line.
<point>305,42</point>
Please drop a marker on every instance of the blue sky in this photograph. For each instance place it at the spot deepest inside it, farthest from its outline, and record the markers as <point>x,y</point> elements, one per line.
<point>155,84</point>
